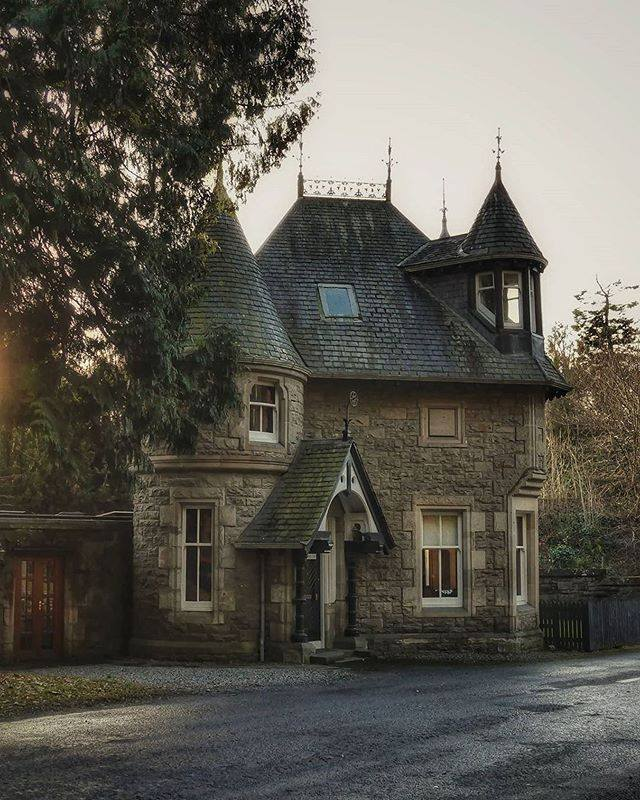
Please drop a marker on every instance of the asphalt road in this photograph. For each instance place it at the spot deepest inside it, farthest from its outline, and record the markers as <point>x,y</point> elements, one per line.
<point>561,730</point>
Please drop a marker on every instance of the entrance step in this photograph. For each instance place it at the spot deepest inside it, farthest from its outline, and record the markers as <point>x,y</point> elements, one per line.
<point>352,643</point>
<point>337,657</point>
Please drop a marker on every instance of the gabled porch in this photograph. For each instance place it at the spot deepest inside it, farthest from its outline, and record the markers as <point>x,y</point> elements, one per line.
<point>322,517</point>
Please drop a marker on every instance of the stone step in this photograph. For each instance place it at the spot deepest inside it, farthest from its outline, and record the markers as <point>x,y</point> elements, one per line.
<point>351,643</point>
<point>350,660</point>
<point>331,656</point>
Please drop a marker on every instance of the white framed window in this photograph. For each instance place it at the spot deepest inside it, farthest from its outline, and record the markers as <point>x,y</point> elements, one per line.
<point>522,576</point>
<point>197,558</point>
<point>263,413</point>
<point>512,299</point>
<point>338,300</point>
<point>442,558</point>
<point>486,295</point>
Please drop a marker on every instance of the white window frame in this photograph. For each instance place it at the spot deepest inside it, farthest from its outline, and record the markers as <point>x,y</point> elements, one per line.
<point>447,602</point>
<point>196,605</point>
<point>503,299</point>
<point>265,436</point>
<point>522,566</point>
<point>355,310</point>
<point>481,308</point>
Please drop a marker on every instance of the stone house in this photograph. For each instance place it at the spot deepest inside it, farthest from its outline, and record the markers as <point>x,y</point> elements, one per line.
<point>409,520</point>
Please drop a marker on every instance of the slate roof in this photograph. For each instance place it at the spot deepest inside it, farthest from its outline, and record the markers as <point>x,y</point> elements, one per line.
<point>498,231</point>
<point>237,295</point>
<point>436,251</point>
<point>292,513</point>
<point>403,331</point>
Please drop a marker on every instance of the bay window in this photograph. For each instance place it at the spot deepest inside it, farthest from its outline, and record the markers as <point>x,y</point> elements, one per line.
<point>522,535</point>
<point>441,558</point>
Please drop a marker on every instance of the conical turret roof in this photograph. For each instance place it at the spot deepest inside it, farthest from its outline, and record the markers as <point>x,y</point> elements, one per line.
<point>499,230</point>
<point>236,293</point>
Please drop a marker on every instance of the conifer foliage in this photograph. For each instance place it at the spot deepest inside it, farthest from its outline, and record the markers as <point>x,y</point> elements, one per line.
<point>112,115</point>
<point>592,495</point>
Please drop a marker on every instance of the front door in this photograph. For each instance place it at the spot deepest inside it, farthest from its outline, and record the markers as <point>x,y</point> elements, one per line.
<point>312,608</point>
<point>38,607</point>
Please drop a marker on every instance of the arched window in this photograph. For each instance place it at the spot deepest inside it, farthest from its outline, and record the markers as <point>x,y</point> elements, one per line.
<point>263,413</point>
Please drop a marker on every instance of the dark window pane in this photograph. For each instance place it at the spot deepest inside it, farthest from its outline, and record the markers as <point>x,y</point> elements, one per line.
<point>520,531</point>
<point>206,519</point>
<point>268,419</point>
<point>191,527</point>
<point>261,393</point>
<point>205,573</point>
<point>487,300</point>
<point>519,566</point>
<point>254,418</point>
<point>191,576</point>
<point>449,573</point>
<point>430,573</point>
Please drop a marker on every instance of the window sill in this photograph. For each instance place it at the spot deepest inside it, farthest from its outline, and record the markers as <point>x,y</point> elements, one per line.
<point>440,443</point>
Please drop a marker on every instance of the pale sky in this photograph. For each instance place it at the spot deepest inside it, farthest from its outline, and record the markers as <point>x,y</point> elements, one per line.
<point>560,78</point>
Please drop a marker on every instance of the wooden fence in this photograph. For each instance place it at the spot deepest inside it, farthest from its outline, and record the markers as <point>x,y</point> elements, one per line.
<point>595,623</point>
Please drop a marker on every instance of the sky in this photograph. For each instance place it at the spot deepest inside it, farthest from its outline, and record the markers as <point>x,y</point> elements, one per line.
<point>561,79</point>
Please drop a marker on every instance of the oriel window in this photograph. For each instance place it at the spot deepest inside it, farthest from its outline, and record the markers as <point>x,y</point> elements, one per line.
<point>486,295</point>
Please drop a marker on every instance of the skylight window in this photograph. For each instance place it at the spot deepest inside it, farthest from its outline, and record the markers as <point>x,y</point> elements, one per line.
<point>338,300</point>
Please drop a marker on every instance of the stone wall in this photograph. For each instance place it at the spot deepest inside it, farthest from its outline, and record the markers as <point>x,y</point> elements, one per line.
<point>503,438</point>
<point>594,583</point>
<point>234,476</point>
<point>97,578</point>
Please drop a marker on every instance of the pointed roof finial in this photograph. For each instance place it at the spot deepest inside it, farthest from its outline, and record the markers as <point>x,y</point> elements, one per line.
<point>444,233</point>
<point>498,152</point>
<point>390,163</point>
<point>300,175</point>
<point>223,201</point>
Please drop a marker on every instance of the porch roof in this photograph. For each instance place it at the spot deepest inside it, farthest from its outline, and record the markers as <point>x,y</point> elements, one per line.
<point>293,512</point>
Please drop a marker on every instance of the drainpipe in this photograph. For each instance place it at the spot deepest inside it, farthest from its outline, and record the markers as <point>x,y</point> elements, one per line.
<point>263,603</point>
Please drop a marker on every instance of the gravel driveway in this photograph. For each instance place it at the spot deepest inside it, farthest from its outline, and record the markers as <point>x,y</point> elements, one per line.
<point>207,677</point>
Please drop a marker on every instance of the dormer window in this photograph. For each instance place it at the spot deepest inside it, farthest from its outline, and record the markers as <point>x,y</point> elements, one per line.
<point>263,413</point>
<point>486,296</point>
<point>338,300</point>
<point>512,299</point>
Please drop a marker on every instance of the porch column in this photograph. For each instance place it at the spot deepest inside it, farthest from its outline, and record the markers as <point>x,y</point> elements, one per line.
<point>299,633</point>
<point>352,600</point>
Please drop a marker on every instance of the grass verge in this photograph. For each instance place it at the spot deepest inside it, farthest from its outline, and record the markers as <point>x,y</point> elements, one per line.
<point>21,693</point>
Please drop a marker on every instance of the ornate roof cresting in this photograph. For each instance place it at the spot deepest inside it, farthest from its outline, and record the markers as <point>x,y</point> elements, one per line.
<point>359,190</point>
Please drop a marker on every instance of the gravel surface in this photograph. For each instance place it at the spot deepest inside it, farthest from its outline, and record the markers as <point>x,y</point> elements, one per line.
<point>208,678</point>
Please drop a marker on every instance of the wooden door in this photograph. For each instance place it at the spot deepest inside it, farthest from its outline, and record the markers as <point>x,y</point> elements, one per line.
<point>38,607</point>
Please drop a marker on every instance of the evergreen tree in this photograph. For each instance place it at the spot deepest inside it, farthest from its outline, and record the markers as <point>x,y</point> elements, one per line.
<point>602,324</point>
<point>112,115</point>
